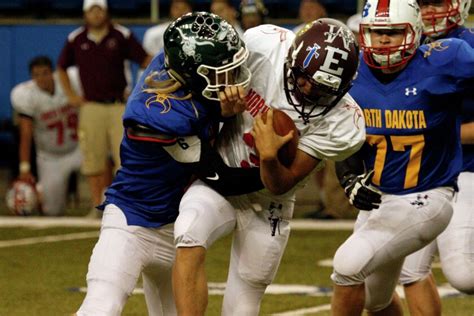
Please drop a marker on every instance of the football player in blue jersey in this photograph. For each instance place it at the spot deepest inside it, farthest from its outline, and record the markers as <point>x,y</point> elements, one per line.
<point>169,123</point>
<point>404,177</point>
<point>445,19</point>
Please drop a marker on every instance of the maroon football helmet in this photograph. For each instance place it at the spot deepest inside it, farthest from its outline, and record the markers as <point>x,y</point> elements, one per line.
<point>325,53</point>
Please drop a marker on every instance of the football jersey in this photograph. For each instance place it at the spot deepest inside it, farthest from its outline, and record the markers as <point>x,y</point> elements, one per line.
<point>467,113</point>
<point>54,120</point>
<point>151,181</point>
<point>412,141</point>
<point>335,135</point>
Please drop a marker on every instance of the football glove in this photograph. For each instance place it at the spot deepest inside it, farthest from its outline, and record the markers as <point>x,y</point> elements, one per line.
<point>360,191</point>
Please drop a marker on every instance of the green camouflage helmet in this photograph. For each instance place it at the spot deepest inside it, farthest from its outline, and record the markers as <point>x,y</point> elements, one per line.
<point>205,54</point>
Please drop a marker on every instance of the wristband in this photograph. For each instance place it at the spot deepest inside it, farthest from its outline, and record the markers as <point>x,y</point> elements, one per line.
<point>25,167</point>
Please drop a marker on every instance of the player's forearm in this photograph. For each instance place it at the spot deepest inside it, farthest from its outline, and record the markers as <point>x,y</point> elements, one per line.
<point>276,178</point>
<point>467,133</point>
<point>26,138</point>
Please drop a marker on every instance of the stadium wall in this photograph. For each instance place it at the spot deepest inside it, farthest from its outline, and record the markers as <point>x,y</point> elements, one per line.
<point>20,43</point>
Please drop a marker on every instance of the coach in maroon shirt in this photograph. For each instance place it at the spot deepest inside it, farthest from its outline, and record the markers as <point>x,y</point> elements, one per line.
<point>99,49</point>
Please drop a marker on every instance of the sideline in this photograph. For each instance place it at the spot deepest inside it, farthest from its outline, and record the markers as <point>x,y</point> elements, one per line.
<point>45,222</point>
<point>47,239</point>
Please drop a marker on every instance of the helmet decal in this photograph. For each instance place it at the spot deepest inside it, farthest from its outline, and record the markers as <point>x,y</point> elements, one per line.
<point>383,9</point>
<point>365,10</point>
<point>313,52</point>
<point>342,32</point>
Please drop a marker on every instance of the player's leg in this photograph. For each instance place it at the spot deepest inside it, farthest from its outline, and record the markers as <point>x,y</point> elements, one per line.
<point>93,142</point>
<point>157,274</point>
<point>418,283</point>
<point>115,133</point>
<point>255,254</point>
<point>423,298</point>
<point>402,225</point>
<point>456,243</point>
<point>379,290</point>
<point>114,267</point>
<point>204,217</point>
<point>52,183</point>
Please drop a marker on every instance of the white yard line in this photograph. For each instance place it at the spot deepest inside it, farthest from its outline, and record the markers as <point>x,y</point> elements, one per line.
<point>44,222</point>
<point>305,311</point>
<point>47,239</point>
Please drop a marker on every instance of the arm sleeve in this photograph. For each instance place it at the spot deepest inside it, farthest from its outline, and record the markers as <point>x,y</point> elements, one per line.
<point>212,170</point>
<point>205,161</point>
<point>353,165</point>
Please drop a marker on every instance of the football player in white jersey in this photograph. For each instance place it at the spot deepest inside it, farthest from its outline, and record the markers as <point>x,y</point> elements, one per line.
<point>46,118</point>
<point>306,76</point>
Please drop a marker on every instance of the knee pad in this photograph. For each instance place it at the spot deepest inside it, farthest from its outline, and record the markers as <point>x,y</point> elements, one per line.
<point>103,299</point>
<point>349,264</point>
<point>204,217</point>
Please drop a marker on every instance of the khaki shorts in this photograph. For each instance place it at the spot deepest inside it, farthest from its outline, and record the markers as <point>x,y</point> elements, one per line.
<point>100,134</point>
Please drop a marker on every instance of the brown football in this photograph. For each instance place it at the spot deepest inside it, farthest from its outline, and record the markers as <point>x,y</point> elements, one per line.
<point>282,125</point>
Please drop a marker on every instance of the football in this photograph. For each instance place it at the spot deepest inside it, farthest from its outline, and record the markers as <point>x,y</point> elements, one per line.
<point>282,125</point>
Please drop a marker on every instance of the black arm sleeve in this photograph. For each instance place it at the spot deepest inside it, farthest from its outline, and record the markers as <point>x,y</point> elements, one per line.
<point>346,169</point>
<point>226,180</point>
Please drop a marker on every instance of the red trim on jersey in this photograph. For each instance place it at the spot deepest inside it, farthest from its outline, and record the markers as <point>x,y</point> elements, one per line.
<point>151,139</point>
<point>383,8</point>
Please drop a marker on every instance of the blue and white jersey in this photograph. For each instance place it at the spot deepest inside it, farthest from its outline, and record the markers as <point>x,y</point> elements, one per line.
<point>154,174</point>
<point>412,140</point>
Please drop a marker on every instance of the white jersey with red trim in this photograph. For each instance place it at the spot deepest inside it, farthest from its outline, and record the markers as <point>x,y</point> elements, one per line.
<point>335,135</point>
<point>54,120</point>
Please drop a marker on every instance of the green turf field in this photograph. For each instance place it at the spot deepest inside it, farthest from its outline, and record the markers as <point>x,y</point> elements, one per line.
<point>42,278</point>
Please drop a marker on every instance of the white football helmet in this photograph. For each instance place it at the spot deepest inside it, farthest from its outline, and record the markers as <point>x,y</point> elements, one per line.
<point>381,14</point>
<point>440,16</point>
<point>22,198</point>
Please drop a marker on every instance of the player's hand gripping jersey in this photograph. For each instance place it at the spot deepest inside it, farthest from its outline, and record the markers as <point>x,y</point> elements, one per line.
<point>412,145</point>
<point>335,135</point>
<point>55,122</point>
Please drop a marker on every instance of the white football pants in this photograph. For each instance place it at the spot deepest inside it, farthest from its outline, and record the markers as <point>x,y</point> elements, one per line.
<point>123,253</point>
<point>375,252</point>
<point>206,216</point>
<point>455,244</point>
<point>53,177</point>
